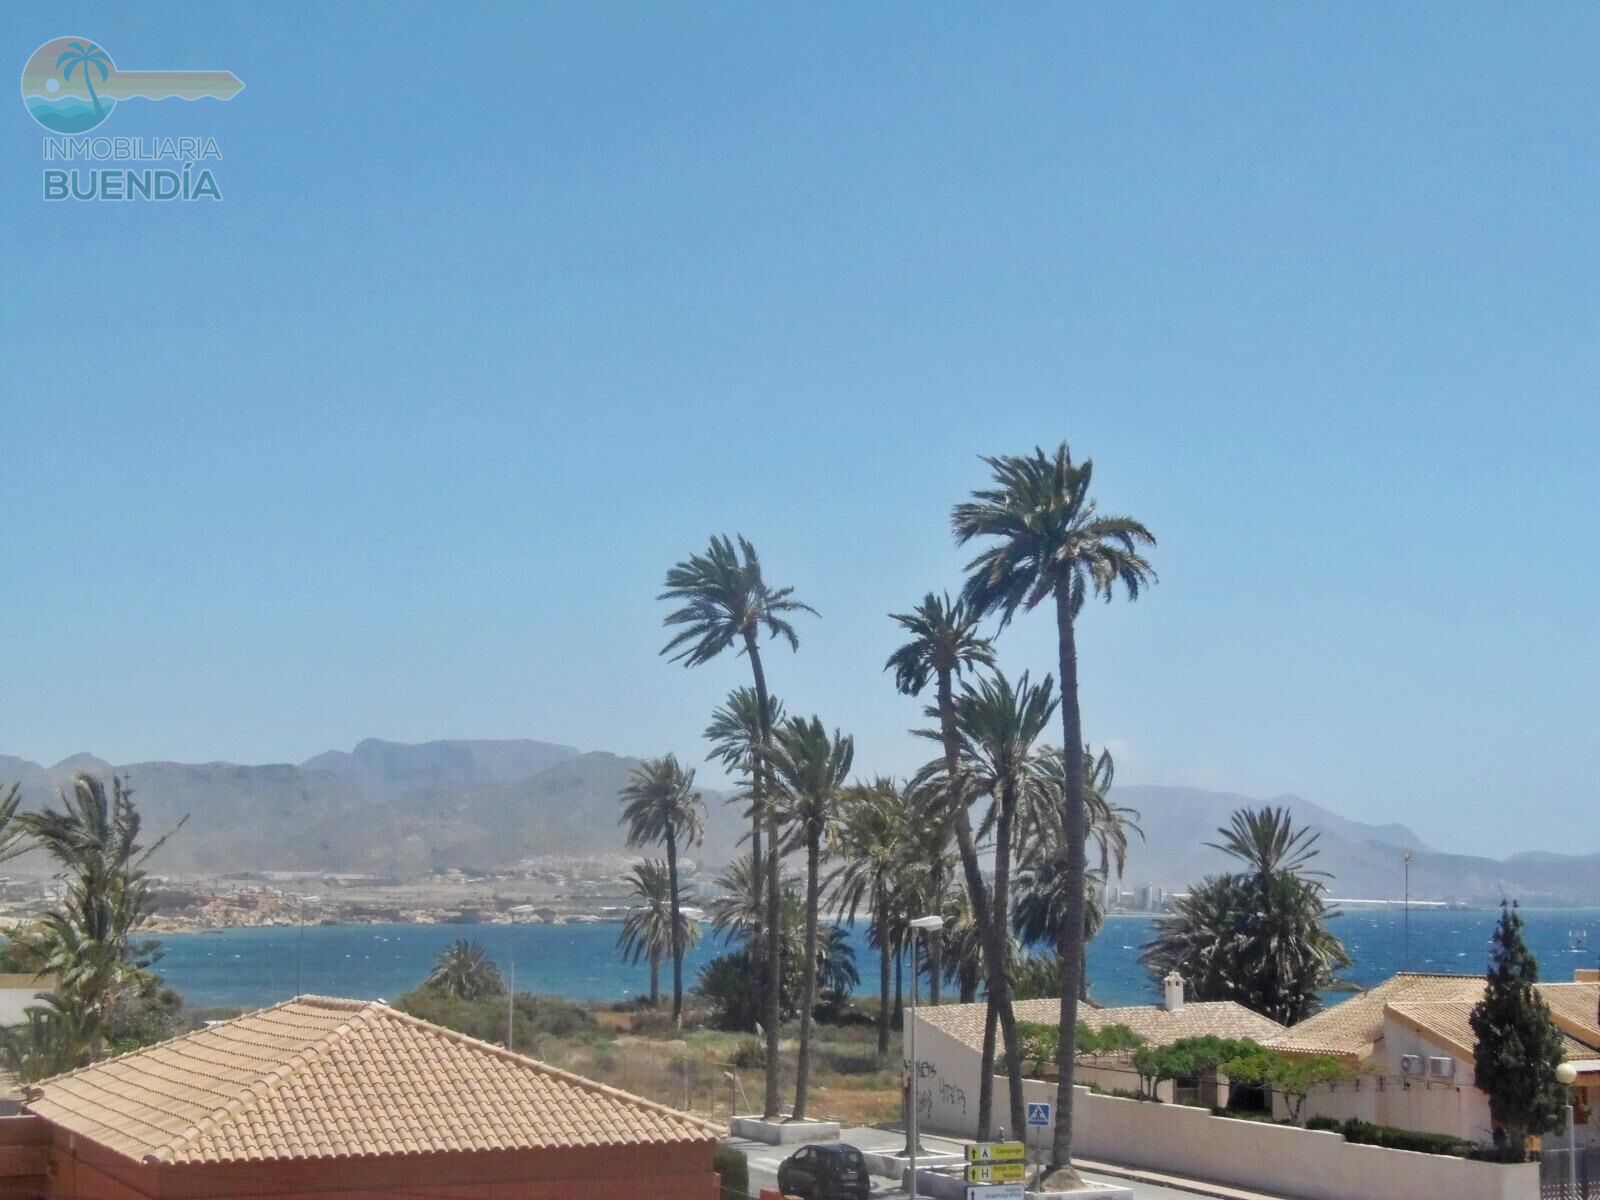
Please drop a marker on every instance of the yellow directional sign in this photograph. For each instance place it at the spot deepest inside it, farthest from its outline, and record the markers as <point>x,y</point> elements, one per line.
<point>1000,1172</point>
<point>995,1152</point>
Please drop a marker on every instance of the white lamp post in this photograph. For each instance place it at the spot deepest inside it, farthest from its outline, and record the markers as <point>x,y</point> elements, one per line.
<point>931,925</point>
<point>516,910</point>
<point>300,972</point>
<point>1567,1074</point>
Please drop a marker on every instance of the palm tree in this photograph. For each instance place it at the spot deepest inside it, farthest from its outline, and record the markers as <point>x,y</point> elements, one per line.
<point>836,964</point>
<point>945,644</point>
<point>964,957</point>
<point>999,724</point>
<point>870,847</point>
<point>91,58</point>
<point>87,940</point>
<point>660,805</point>
<point>725,602</point>
<point>736,736</point>
<point>465,971</point>
<point>647,929</point>
<point>1049,541</point>
<point>811,771</point>
<point>737,913</point>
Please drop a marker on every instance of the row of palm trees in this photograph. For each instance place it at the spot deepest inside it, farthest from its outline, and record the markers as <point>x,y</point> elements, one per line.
<point>1041,541</point>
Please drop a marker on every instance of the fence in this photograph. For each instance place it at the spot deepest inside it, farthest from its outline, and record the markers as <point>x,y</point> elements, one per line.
<point>1554,1167</point>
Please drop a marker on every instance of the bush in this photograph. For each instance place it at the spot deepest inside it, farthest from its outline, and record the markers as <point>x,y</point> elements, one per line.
<point>1325,1124</point>
<point>845,1059</point>
<point>735,1172</point>
<point>485,1019</point>
<point>748,1055</point>
<point>1367,1134</point>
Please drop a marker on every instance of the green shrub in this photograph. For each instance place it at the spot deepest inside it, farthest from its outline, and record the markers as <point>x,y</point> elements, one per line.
<point>845,1059</point>
<point>735,1172</point>
<point>1367,1134</point>
<point>1325,1124</point>
<point>485,1019</point>
<point>748,1055</point>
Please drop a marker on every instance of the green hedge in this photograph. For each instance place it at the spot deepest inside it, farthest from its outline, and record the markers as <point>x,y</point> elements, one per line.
<point>735,1172</point>
<point>1367,1134</point>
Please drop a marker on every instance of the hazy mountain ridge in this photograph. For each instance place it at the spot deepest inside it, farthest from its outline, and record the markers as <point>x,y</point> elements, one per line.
<point>390,808</point>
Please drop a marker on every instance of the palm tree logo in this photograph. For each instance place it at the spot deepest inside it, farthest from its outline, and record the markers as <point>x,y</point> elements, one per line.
<point>90,58</point>
<point>64,85</point>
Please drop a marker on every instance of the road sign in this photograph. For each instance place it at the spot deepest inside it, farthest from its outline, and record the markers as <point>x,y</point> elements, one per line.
<point>993,1152</point>
<point>1000,1172</point>
<point>995,1191</point>
<point>1038,1114</point>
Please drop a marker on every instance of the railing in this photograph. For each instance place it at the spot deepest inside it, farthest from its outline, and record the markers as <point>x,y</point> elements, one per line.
<point>1558,1166</point>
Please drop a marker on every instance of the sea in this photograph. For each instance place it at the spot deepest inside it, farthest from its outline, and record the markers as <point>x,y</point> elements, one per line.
<point>251,968</point>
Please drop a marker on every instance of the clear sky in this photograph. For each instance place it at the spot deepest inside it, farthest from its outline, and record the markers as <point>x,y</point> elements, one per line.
<point>508,307</point>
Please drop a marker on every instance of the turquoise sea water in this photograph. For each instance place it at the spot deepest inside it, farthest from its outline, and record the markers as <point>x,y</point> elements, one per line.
<point>254,967</point>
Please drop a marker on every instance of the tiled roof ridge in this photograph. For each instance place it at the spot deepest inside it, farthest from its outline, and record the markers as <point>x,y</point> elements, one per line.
<point>569,1077</point>
<point>362,1012</point>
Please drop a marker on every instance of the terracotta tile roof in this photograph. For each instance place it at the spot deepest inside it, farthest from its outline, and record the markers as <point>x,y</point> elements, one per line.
<point>1438,1005</point>
<point>1351,1027</point>
<point>1155,1024</point>
<point>324,1078</point>
<point>1449,1022</point>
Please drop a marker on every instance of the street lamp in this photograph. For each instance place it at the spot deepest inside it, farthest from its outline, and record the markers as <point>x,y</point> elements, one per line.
<point>300,972</point>
<point>1567,1075</point>
<point>515,910</point>
<point>931,925</point>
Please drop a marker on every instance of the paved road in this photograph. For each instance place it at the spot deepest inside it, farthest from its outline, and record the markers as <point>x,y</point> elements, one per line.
<point>764,1162</point>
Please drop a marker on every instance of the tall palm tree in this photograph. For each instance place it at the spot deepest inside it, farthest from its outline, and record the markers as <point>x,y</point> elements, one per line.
<point>647,929</point>
<point>1047,540</point>
<point>811,771</point>
<point>465,970</point>
<point>660,806</point>
<point>736,914</point>
<point>91,58</point>
<point>999,724</point>
<point>870,847</point>
<point>737,734</point>
<point>945,644</point>
<point>964,954</point>
<point>726,601</point>
<point>930,845</point>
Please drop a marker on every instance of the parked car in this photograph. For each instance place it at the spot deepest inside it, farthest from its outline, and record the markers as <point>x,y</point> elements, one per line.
<point>834,1172</point>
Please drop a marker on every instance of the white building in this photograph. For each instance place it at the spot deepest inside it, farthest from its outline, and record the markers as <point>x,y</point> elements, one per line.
<point>1410,1040</point>
<point>950,1049</point>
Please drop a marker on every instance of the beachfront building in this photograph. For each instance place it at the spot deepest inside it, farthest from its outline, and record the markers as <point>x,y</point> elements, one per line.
<point>950,1051</point>
<point>1410,1042</point>
<point>323,1097</point>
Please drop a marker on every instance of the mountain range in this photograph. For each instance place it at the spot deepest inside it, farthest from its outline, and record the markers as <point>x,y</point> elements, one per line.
<point>397,809</point>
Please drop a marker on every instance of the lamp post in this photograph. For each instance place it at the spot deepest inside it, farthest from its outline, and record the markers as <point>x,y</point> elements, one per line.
<point>1567,1075</point>
<point>516,910</point>
<point>931,925</point>
<point>300,970</point>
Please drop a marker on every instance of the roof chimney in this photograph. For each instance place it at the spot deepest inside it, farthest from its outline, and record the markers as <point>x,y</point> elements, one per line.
<point>1173,998</point>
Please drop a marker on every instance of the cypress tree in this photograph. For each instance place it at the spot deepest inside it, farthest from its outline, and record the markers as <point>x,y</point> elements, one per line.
<point>1517,1046</point>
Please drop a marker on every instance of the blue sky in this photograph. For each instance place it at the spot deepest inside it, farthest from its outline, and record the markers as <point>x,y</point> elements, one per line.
<point>508,307</point>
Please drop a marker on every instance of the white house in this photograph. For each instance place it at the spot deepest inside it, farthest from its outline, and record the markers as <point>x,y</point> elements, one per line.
<point>1411,1041</point>
<point>950,1048</point>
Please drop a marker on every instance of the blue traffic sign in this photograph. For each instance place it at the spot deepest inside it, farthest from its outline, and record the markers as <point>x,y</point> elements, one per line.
<point>1038,1114</point>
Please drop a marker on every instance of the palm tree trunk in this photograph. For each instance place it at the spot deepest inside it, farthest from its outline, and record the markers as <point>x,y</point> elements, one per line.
<point>936,940</point>
<point>655,979</point>
<point>899,981</point>
<point>1002,920</point>
<point>808,991</point>
<point>774,913</point>
<point>1071,942</point>
<point>677,933</point>
<point>882,920</point>
<point>994,947</point>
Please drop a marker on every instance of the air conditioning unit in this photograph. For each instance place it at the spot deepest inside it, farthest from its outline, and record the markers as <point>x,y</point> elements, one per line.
<point>1411,1064</point>
<point>1442,1068</point>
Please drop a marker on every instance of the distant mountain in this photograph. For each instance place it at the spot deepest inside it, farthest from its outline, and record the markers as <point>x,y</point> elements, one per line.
<point>385,808</point>
<point>394,809</point>
<point>1362,861</point>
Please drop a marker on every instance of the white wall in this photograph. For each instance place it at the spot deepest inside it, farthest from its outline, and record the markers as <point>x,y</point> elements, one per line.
<point>13,1000</point>
<point>1276,1159</point>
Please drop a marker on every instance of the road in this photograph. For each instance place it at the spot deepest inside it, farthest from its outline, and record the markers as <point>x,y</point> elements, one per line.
<point>764,1162</point>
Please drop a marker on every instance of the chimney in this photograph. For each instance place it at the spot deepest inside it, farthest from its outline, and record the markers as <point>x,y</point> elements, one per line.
<point>1173,999</point>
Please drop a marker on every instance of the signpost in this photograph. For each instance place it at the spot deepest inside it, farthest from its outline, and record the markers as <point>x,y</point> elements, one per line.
<point>1038,1118</point>
<point>995,1191</point>
<point>995,1152</point>
<point>1000,1172</point>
